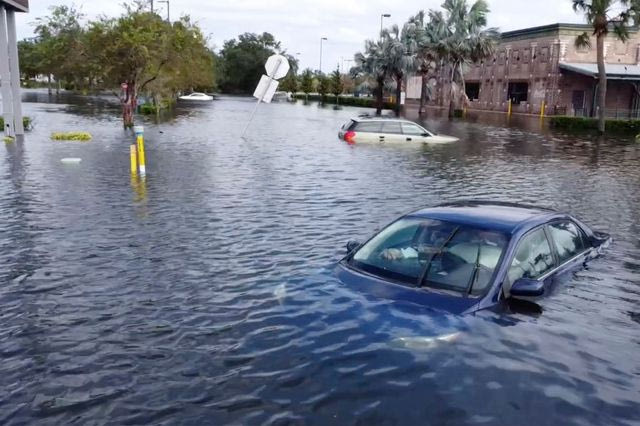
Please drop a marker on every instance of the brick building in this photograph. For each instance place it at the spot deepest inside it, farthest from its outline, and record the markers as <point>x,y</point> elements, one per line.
<point>542,64</point>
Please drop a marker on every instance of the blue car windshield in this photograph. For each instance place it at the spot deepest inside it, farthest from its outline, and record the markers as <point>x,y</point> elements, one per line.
<point>428,252</point>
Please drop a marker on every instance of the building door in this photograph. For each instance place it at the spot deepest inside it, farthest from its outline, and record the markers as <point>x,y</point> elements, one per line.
<point>577,102</point>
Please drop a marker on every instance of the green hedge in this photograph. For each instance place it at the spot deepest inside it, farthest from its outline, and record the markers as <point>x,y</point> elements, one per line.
<point>583,123</point>
<point>26,122</point>
<point>345,100</point>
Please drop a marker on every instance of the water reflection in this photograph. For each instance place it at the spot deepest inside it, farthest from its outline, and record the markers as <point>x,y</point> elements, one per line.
<point>204,293</point>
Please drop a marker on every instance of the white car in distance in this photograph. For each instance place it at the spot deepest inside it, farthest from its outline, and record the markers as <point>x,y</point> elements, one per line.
<point>381,130</point>
<point>198,97</point>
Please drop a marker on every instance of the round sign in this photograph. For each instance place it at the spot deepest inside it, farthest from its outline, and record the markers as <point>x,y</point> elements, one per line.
<point>277,66</point>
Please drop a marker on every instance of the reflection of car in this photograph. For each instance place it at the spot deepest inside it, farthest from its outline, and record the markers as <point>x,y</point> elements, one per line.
<point>198,97</point>
<point>467,256</point>
<point>388,130</point>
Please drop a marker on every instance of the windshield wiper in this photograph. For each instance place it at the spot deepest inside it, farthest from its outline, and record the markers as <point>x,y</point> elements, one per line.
<point>475,271</point>
<point>425,271</point>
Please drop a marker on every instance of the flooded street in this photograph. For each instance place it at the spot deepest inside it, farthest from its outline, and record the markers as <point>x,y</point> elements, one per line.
<point>204,294</point>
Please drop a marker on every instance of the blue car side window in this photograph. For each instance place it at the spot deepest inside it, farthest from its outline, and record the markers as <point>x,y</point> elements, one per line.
<point>567,239</point>
<point>533,258</point>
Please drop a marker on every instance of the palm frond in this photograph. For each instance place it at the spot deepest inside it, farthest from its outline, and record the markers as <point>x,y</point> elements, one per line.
<point>582,41</point>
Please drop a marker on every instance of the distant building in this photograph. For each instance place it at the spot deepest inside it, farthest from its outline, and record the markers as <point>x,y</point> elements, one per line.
<point>543,64</point>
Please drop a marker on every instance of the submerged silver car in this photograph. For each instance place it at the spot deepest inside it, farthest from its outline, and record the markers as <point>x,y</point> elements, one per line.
<point>382,130</point>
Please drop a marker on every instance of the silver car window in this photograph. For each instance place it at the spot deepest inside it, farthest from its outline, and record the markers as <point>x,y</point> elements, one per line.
<point>391,127</point>
<point>369,127</point>
<point>412,129</point>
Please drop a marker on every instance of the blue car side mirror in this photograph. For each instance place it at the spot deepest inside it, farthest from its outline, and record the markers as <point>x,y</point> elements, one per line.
<point>525,287</point>
<point>352,245</point>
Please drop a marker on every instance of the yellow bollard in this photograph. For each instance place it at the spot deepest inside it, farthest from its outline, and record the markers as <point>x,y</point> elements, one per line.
<point>134,159</point>
<point>139,130</point>
<point>509,108</point>
<point>542,108</point>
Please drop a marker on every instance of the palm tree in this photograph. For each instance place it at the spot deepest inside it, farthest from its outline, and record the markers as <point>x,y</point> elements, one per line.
<point>599,15</point>
<point>371,63</point>
<point>400,55</point>
<point>430,53</point>
<point>464,39</point>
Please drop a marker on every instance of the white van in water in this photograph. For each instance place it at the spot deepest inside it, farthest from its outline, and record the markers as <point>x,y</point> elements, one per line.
<point>384,130</point>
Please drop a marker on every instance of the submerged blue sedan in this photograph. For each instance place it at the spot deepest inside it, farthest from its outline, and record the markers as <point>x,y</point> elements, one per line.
<point>467,256</point>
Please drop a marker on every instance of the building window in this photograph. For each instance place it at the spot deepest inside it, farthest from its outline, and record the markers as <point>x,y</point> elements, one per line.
<point>544,54</point>
<point>501,58</point>
<point>473,91</point>
<point>527,54</point>
<point>518,92</point>
<point>516,56</point>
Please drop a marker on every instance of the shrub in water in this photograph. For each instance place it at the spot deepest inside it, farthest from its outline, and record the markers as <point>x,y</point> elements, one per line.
<point>26,122</point>
<point>584,123</point>
<point>71,136</point>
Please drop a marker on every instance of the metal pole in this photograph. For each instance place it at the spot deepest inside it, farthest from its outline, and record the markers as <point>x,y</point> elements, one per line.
<point>14,64</point>
<point>255,109</point>
<point>151,6</point>
<point>382,16</point>
<point>320,68</point>
<point>5,76</point>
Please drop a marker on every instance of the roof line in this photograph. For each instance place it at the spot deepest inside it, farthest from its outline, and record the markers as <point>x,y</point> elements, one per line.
<point>551,27</point>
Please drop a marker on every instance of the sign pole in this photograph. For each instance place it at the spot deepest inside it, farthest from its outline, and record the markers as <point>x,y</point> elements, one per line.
<point>255,109</point>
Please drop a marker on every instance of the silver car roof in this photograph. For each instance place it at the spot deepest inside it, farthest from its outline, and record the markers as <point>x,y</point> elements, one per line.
<point>362,119</point>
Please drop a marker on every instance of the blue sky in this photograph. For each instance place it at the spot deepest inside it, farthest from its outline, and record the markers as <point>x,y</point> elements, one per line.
<point>299,24</point>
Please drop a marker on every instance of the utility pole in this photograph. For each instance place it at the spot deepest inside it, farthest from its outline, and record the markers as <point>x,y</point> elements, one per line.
<point>384,15</point>
<point>151,5</point>
<point>321,40</point>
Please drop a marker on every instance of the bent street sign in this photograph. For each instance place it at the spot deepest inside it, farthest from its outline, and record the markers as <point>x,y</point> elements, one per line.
<point>17,5</point>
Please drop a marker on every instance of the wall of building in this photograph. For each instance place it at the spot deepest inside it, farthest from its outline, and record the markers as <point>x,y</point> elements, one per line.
<point>532,56</point>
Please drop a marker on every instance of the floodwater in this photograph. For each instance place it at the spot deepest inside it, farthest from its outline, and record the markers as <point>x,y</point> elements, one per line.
<point>203,294</point>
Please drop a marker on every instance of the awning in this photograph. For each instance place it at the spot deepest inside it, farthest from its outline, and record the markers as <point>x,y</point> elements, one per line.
<point>614,71</point>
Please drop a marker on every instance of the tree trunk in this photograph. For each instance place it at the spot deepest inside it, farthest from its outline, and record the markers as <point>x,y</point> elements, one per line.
<point>602,87</point>
<point>49,83</point>
<point>128,105</point>
<point>398,94</point>
<point>423,94</point>
<point>379,93</point>
<point>58,86</point>
<point>451,105</point>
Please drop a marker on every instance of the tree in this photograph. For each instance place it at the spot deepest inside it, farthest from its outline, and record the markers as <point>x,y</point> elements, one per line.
<point>427,34</point>
<point>324,85</point>
<point>306,83</point>
<point>370,63</point>
<point>290,82</point>
<point>58,43</point>
<point>243,61</point>
<point>337,86</point>
<point>463,39</point>
<point>604,15</point>
<point>29,59</point>
<point>399,56</point>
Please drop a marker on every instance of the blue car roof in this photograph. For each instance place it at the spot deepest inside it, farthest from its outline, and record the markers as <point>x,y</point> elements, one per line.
<point>503,217</point>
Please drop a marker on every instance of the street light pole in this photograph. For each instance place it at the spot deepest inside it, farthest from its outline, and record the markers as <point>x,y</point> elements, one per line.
<point>384,15</point>
<point>321,40</point>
